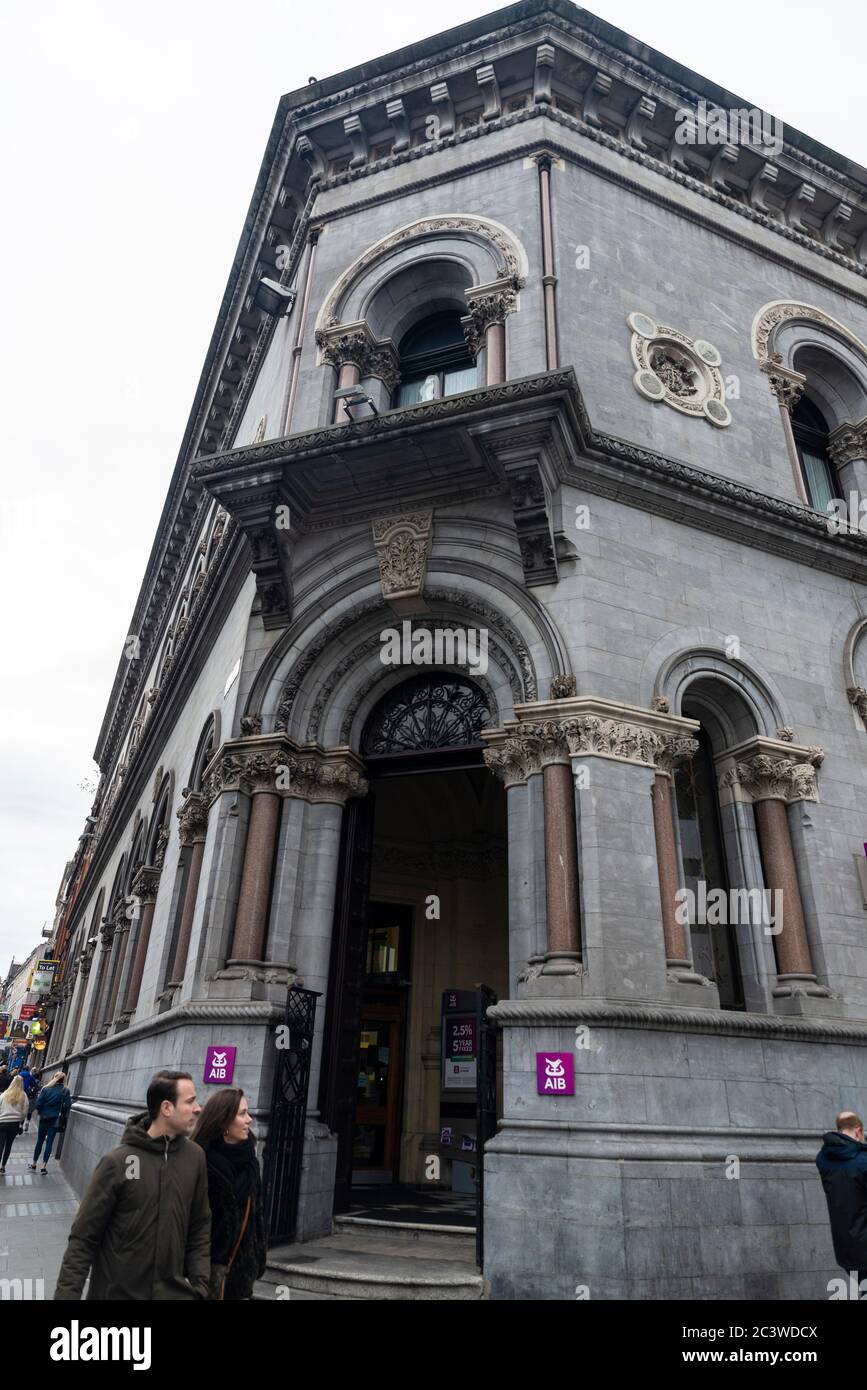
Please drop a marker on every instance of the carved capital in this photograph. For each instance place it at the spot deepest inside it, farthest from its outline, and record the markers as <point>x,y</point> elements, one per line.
<point>193,817</point>
<point>403,544</point>
<point>355,344</point>
<point>513,760</point>
<point>562,687</point>
<point>488,304</point>
<point>672,750</point>
<point>848,443</point>
<point>146,882</point>
<point>787,385</point>
<point>857,696</point>
<point>764,769</point>
<point>275,763</point>
<point>585,726</point>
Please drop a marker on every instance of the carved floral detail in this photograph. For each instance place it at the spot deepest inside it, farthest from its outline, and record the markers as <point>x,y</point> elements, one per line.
<point>775,777</point>
<point>403,545</point>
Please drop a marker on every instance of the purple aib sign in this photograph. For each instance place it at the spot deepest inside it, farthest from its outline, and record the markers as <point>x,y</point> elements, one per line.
<point>555,1073</point>
<point>219,1066</point>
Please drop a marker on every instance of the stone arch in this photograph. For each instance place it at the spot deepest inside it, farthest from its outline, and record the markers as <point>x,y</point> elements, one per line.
<point>160,822</point>
<point>855,668</point>
<point>684,659</point>
<point>781,326</point>
<point>319,680</point>
<point>487,249</point>
<point>209,742</point>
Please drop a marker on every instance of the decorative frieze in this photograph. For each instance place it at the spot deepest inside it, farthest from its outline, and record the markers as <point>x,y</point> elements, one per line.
<point>403,544</point>
<point>275,763</point>
<point>584,726</point>
<point>765,769</point>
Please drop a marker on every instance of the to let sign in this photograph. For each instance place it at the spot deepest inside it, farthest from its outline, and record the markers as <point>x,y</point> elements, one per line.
<point>219,1066</point>
<point>555,1073</point>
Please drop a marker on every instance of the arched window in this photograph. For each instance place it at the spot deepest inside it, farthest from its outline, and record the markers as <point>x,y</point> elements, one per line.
<point>811,432</point>
<point>435,361</point>
<point>704,862</point>
<point>436,711</point>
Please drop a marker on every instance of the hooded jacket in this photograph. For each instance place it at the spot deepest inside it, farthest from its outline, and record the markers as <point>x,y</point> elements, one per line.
<point>143,1229</point>
<point>842,1165</point>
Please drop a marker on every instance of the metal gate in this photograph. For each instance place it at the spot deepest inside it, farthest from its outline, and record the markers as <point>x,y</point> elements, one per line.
<point>284,1147</point>
<point>486,1105</point>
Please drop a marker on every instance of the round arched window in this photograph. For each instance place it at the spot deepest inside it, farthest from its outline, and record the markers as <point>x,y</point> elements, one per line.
<point>435,361</point>
<point>430,711</point>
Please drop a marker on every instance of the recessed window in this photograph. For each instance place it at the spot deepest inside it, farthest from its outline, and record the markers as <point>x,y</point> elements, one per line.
<point>435,361</point>
<point>811,432</point>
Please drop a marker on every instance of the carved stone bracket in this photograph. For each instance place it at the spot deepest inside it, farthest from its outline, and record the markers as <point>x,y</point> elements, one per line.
<point>489,304</point>
<point>340,344</point>
<point>531,507</point>
<point>276,763</point>
<point>263,972</point>
<point>403,544</point>
<point>272,581</point>
<point>767,769</point>
<point>584,726</point>
<point>193,817</point>
<point>563,687</point>
<point>857,696</point>
<point>848,443</point>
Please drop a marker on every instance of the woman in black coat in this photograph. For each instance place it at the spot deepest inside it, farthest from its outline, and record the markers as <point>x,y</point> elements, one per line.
<point>238,1241</point>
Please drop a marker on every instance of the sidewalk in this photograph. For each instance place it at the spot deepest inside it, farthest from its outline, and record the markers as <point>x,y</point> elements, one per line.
<point>36,1213</point>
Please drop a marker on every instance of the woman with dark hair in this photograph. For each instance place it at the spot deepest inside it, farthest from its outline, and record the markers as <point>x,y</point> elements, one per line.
<point>238,1241</point>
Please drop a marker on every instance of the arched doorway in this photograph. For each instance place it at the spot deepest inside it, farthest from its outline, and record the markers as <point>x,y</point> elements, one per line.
<point>421,916</point>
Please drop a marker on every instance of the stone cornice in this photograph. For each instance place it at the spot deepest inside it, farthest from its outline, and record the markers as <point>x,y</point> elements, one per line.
<point>275,763</point>
<point>565,1013</point>
<point>550,731</point>
<point>767,769</point>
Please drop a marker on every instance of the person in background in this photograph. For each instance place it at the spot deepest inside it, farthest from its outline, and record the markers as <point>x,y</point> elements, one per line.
<point>239,1244</point>
<point>842,1165</point>
<point>13,1107</point>
<point>52,1103</point>
<point>32,1093</point>
<point>5,1078</point>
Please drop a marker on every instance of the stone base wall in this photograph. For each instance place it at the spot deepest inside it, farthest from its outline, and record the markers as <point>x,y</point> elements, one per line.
<point>682,1167</point>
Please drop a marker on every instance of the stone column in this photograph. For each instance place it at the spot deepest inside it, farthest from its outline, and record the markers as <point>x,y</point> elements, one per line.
<point>678,952</point>
<point>193,816</point>
<point>848,449</point>
<point>485,325</point>
<point>122,924</point>
<point>106,937</point>
<point>145,886</point>
<point>248,943</point>
<point>517,767</point>
<point>788,387</point>
<point>84,963</point>
<point>773,774</point>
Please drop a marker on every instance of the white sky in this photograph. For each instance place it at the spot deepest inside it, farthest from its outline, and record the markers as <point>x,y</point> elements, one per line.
<point>131,136</point>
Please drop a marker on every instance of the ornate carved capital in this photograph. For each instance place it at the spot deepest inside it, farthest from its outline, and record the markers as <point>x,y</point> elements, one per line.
<point>275,763</point>
<point>765,769</point>
<point>340,344</point>
<point>193,817</point>
<point>563,687</point>
<point>403,544</point>
<point>787,385</point>
<point>513,759</point>
<point>107,927</point>
<point>488,304</point>
<point>848,442</point>
<point>857,696</point>
<point>162,841</point>
<point>146,883</point>
<point>672,750</point>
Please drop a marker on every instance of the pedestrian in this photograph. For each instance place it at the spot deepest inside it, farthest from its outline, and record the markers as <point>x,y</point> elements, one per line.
<point>32,1094</point>
<point>143,1229</point>
<point>13,1106</point>
<point>842,1165</point>
<point>5,1078</point>
<point>52,1105</point>
<point>239,1246</point>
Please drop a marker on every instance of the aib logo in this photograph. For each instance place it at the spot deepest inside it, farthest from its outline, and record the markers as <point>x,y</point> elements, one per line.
<point>219,1066</point>
<point>555,1073</point>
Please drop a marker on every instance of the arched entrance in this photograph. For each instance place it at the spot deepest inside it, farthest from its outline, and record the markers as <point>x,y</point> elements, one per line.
<point>421,914</point>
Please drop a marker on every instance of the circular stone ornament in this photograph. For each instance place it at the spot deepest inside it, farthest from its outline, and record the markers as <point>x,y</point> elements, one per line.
<point>676,370</point>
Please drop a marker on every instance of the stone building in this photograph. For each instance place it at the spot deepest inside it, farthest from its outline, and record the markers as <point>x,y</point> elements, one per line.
<point>496,600</point>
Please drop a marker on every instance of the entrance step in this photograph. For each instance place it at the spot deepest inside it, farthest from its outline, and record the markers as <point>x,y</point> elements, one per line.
<point>357,1262</point>
<point>459,1240</point>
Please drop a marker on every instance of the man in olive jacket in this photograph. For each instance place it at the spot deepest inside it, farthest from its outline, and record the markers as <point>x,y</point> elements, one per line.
<point>144,1226</point>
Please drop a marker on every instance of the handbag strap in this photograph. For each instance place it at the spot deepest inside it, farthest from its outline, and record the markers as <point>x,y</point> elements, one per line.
<point>241,1234</point>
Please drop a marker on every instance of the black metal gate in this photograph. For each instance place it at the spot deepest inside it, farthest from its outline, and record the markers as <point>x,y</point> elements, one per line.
<point>486,1105</point>
<point>284,1147</point>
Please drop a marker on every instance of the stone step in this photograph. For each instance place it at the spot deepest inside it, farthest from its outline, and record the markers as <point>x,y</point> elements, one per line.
<point>354,1264</point>
<point>460,1240</point>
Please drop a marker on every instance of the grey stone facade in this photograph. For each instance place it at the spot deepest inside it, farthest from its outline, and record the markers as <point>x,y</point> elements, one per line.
<point>671,563</point>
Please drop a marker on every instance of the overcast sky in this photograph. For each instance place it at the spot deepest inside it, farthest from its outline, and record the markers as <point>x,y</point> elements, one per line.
<point>131,136</point>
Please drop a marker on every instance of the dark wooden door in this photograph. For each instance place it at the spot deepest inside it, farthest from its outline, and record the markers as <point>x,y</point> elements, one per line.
<point>346,988</point>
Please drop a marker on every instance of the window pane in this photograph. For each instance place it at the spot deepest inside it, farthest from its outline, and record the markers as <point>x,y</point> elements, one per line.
<point>818,479</point>
<point>410,392</point>
<point>459,379</point>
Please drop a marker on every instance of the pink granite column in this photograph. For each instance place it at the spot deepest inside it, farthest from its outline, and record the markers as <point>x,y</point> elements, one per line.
<point>495,353</point>
<point>792,945</point>
<point>141,950</point>
<point>251,920</point>
<point>193,816</point>
<point>561,859</point>
<point>676,949</point>
<point>348,375</point>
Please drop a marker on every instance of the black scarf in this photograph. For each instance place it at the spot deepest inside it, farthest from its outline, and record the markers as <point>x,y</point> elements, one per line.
<point>238,1164</point>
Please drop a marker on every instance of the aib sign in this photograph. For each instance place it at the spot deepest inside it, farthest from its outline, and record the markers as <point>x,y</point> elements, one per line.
<point>555,1073</point>
<point>219,1066</point>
